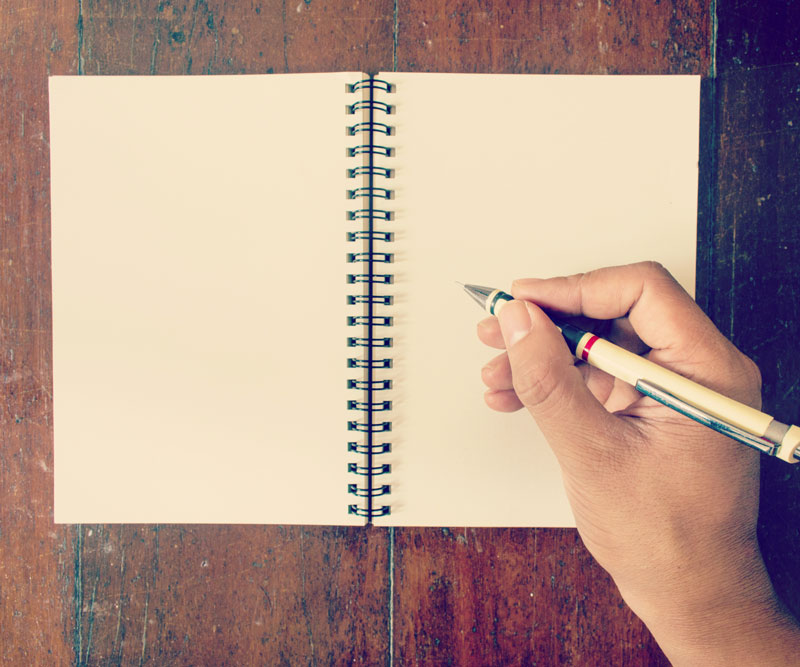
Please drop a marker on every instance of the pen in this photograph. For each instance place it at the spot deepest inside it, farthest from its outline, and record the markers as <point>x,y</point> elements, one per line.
<point>710,408</point>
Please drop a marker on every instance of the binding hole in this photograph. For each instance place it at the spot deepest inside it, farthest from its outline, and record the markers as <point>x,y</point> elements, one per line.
<point>365,235</point>
<point>367,126</point>
<point>375,406</point>
<point>370,149</point>
<point>383,448</point>
<point>366,320</point>
<point>369,342</point>
<point>377,84</point>
<point>375,105</point>
<point>381,193</point>
<point>375,278</point>
<point>380,469</point>
<point>375,385</point>
<point>383,510</point>
<point>362,427</point>
<point>365,363</point>
<point>382,257</point>
<point>361,492</point>
<point>366,170</point>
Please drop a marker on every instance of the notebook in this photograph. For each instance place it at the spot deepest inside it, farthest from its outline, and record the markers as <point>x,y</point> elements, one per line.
<point>255,310</point>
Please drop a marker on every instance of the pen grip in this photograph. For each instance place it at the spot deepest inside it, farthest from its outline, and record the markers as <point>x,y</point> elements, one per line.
<point>630,368</point>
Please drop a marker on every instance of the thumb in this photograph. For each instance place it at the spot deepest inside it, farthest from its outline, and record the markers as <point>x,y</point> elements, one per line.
<point>549,385</point>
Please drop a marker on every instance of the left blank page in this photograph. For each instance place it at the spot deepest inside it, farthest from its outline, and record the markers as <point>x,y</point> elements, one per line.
<point>197,298</point>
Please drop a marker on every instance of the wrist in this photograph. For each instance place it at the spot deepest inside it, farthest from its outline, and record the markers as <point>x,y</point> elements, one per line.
<point>728,615</point>
<point>759,633</point>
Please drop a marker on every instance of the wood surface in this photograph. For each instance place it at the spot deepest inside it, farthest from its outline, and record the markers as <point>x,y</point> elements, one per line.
<point>754,286</point>
<point>237,595</point>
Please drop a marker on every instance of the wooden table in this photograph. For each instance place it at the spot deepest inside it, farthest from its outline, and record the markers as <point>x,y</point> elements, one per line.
<point>233,595</point>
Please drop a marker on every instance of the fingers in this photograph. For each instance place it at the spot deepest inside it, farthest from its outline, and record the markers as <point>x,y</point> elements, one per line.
<point>496,374</point>
<point>618,331</point>
<point>663,316</point>
<point>660,311</point>
<point>489,333</point>
<point>500,396</point>
<point>551,387</point>
<point>502,401</point>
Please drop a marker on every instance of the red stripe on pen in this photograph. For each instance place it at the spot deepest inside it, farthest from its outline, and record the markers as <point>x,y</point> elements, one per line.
<point>587,347</point>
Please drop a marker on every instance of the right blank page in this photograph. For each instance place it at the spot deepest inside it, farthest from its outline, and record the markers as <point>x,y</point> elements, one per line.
<point>500,177</point>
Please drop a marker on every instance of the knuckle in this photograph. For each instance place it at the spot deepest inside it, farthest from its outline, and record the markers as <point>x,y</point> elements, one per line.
<point>655,273</point>
<point>496,373</point>
<point>486,375</point>
<point>536,385</point>
<point>489,375</point>
<point>653,268</point>
<point>752,377</point>
<point>739,376</point>
<point>753,372</point>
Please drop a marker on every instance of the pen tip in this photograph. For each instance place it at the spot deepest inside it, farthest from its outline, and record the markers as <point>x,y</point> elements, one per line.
<point>462,284</point>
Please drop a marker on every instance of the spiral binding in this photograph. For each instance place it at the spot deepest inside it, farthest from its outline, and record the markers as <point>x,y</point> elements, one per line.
<point>363,235</point>
<point>385,278</point>
<point>365,385</point>
<point>370,170</point>
<point>375,409</point>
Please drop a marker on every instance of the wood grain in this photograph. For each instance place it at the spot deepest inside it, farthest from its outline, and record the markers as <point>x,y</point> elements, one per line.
<point>536,37</point>
<point>464,619</point>
<point>227,37</point>
<point>230,595</point>
<point>319,595</point>
<point>755,241</point>
<point>132,594</point>
<point>509,597</point>
<point>36,557</point>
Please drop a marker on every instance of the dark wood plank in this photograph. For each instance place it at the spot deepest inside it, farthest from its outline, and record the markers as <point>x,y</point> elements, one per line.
<point>339,36</point>
<point>534,36</point>
<point>756,240</point>
<point>36,557</point>
<point>449,594</point>
<point>235,595</point>
<point>509,597</point>
<point>227,37</point>
<point>181,37</point>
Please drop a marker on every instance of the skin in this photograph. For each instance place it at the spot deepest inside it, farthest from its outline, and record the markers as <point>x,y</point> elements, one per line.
<point>666,506</point>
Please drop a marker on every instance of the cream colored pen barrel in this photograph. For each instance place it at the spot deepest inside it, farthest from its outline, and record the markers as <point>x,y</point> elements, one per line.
<point>631,368</point>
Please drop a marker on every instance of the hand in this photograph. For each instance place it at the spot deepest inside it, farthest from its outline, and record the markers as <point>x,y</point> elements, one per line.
<point>666,505</point>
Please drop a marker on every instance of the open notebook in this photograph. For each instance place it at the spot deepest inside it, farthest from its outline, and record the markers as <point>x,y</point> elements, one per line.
<point>238,260</point>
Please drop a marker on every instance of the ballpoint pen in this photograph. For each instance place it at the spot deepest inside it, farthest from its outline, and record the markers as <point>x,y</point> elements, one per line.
<point>736,420</point>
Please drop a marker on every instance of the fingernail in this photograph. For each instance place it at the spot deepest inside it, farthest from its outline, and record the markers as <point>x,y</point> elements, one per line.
<point>515,322</point>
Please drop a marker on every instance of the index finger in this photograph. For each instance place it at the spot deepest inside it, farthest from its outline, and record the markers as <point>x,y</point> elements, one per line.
<point>661,312</point>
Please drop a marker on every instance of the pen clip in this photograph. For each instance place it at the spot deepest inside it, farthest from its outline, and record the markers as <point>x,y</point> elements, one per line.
<point>701,416</point>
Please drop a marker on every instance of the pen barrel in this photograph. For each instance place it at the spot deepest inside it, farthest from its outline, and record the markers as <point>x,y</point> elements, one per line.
<point>496,300</point>
<point>631,368</point>
<point>790,446</point>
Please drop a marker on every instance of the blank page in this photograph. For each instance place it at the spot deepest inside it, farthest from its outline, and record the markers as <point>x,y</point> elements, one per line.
<point>198,295</point>
<point>500,177</point>
<point>199,282</point>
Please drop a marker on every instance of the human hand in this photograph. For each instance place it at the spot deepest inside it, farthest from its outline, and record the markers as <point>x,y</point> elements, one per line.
<point>666,505</point>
